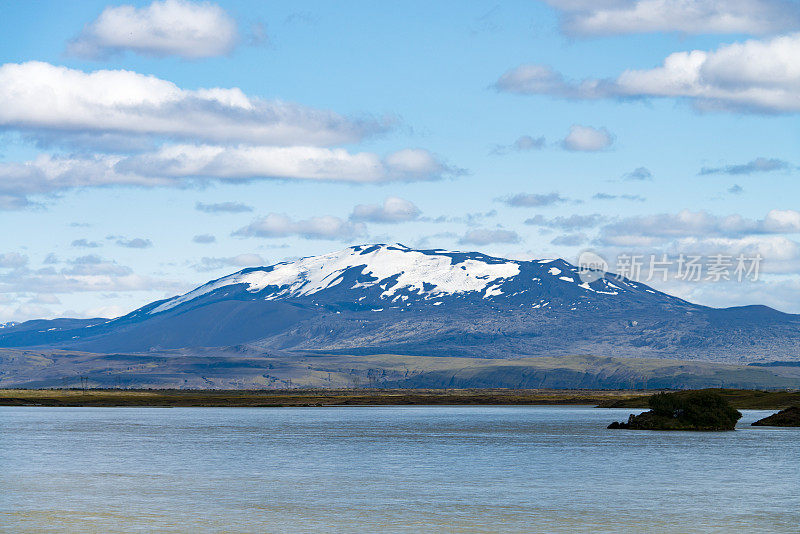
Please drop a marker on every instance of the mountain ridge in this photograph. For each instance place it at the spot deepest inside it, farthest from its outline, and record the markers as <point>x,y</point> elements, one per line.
<point>371,299</point>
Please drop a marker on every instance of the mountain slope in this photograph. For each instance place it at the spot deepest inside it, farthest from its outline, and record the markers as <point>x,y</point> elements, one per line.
<point>390,298</point>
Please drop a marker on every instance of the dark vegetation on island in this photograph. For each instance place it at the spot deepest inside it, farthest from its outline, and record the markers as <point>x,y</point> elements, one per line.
<point>743,399</point>
<point>788,417</point>
<point>685,410</point>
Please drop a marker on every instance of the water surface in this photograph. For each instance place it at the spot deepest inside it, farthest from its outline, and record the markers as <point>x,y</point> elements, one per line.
<point>390,469</point>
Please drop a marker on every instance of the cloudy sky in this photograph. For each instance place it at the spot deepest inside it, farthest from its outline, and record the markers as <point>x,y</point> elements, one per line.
<point>150,147</point>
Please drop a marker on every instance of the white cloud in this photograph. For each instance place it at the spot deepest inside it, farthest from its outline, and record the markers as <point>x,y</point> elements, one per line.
<point>223,207</point>
<point>14,202</point>
<point>240,260</point>
<point>533,200</point>
<point>176,165</point>
<point>204,239</point>
<point>523,143</point>
<point>45,298</point>
<point>325,227</point>
<point>610,196</point>
<point>22,312</point>
<point>85,243</point>
<point>573,222</point>
<point>168,28</point>
<point>587,139</point>
<point>651,230</point>
<point>180,136</point>
<point>570,240</point>
<point>12,260</point>
<point>755,75</point>
<point>296,162</point>
<point>781,253</point>
<point>639,173</point>
<point>39,97</point>
<point>86,273</point>
<point>393,209</point>
<point>751,167</point>
<point>483,236</point>
<point>136,242</point>
<point>534,79</point>
<point>614,17</point>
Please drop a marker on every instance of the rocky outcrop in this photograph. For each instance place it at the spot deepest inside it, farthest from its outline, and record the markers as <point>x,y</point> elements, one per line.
<point>788,417</point>
<point>689,410</point>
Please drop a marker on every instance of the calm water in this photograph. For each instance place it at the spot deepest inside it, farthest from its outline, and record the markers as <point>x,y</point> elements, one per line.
<point>397,469</point>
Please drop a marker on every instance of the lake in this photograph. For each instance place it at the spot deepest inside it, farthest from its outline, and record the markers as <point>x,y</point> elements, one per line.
<point>387,469</point>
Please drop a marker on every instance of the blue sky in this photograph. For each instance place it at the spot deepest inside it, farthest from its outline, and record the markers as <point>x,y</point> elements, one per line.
<point>523,129</point>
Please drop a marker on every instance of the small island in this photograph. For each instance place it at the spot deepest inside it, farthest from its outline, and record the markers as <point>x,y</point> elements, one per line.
<point>788,417</point>
<point>686,410</point>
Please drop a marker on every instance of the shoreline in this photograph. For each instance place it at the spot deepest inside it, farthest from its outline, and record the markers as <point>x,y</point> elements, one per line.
<point>743,399</point>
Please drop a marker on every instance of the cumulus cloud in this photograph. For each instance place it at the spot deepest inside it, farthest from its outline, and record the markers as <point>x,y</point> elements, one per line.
<point>25,288</point>
<point>649,230</point>
<point>470,219</point>
<point>169,28</point>
<point>754,75</point>
<point>572,222</point>
<point>240,260</point>
<point>45,298</point>
<point>296,162</point>
<point>179,165</point>
<point>136,242</point>
<point>12,260</point>
<point>523,143</point>
<point>751,167</point>
<point>533,200</point>
<point>537,79</point>
<point>639,174</point>
<point>613,17</point>
<point>14,202</point>
<point>325,227</point>
<point>776,248</point>
<point>223,207</point>
<point>94,265</point>
<point>570,240</point>
<point>204,239</point>
<point>40,97</point>
<point>587,139</point>
<point>484,236</point>
<point>191,136</point>
<point>82,275</point>
<point>393,210</point>
<point>85,243</point>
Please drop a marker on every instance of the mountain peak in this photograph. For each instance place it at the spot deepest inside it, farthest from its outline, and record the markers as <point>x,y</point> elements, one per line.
<point>425,272</point>
<point>381,274</point>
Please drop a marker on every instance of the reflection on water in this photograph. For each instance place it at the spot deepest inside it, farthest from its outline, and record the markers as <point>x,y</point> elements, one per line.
<point>397,469</point>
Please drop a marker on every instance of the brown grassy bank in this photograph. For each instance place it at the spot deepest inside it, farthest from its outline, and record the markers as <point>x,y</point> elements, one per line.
<point>743,399</point>
<point>321,397</point>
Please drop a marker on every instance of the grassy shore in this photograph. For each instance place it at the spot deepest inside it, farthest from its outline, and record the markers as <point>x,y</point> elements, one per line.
<point>368,397</point>
<point>306,397</point>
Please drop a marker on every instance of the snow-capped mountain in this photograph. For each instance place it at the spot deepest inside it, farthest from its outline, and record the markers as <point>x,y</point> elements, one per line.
<point>396,276</point>
<point>391,298</point>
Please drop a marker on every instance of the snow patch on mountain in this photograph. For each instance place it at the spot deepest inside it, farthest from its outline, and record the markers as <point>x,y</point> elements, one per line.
<point>426,273</point>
